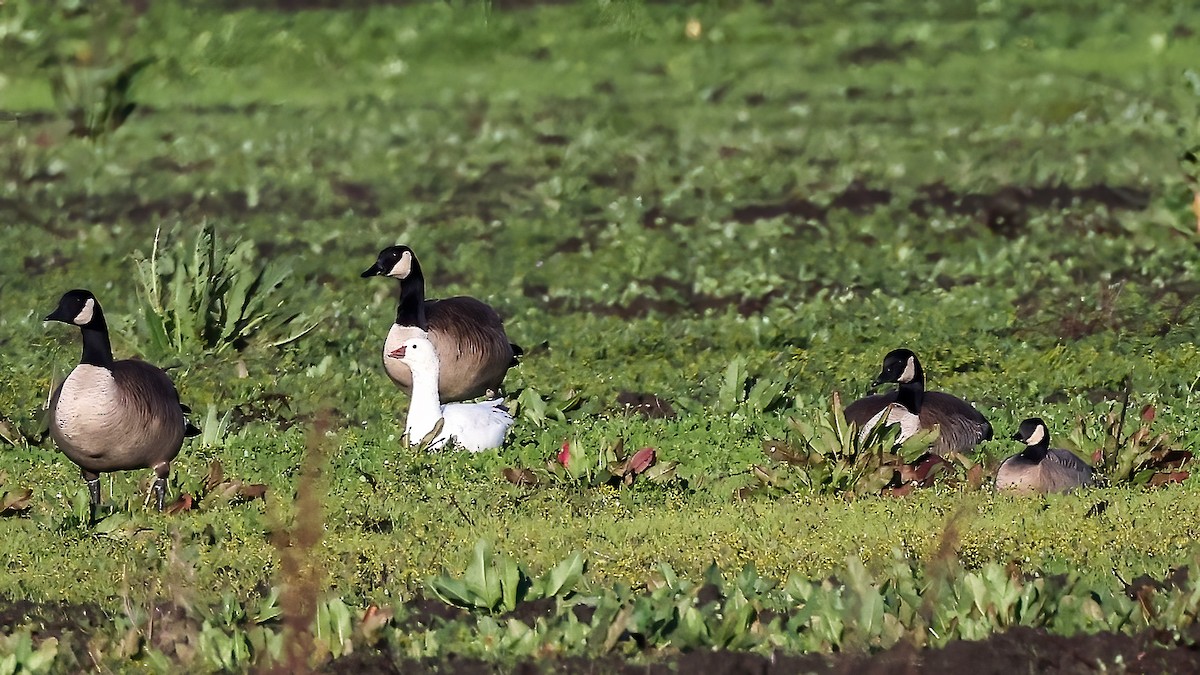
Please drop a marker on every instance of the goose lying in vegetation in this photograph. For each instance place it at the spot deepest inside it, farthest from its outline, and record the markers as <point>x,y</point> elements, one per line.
<point>960,425</point>
<point>475,426</point>
<point>1038,468</point>
<point>114,415</point>
<point>467,333</point>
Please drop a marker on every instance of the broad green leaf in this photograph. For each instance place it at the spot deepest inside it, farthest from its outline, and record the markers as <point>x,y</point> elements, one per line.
<point>562,579</point>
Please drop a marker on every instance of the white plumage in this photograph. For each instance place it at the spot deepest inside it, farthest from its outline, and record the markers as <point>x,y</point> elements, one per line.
<point>909,423</point>
<point>475,426</point>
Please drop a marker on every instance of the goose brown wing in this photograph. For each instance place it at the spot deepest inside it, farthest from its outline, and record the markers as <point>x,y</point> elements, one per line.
<point>861,411</point>
<point>474,324</point>
<point>470,339</point>
<point>1064,470</point>
<point>961,425</point>
<point>146,385</point>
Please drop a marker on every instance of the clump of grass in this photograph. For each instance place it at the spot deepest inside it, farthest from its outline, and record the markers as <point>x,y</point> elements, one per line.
<point>204,298</point>
<point>97,100</point>
<point>91,69</point>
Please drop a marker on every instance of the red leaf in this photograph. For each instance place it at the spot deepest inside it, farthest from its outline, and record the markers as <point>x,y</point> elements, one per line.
<point>902,491</point>
<point>1148,413</point>
<point>642,459</point>
<point>564,455</point>
<point>1165,478</point>
<point>1097,456</point>
<point>253,491</point>
<point>920,472</point>
<point>184,503</point>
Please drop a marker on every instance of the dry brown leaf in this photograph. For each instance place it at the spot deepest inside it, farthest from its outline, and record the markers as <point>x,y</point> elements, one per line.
<point>975,477</point>
<point>1166,478</point>
<point>216,476</point>
<point>902,491</point>
<point>15,501</point>
<point>518,476</point>
<point>781,452</point>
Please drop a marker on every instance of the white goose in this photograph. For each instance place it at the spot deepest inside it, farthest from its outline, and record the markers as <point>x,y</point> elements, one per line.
<point>475,426</point>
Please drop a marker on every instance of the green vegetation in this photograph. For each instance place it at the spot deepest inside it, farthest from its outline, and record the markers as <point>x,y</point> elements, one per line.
<point>698,220</point>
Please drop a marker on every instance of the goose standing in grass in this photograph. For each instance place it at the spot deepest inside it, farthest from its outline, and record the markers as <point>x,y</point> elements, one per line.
<point>468,334</point>
<point>1038,468</point>
<point>960,425</point>
<point>113,415</point>
<point>475,426</point>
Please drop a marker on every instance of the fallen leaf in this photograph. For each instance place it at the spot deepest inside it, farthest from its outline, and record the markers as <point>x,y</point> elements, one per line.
<point>781,452</point>
<point>518,476</point>
<point>975,477</point>
<point>15,501</point>
<point>902,491</point>
<point>1165,478</point>
<point>216,476</point>
<point>661,471</point>
<point>373,619</point>
<point>184,503</point>
<point>764,476</point>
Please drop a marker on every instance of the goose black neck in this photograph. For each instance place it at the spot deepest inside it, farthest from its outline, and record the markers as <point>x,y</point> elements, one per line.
<point>1038,451</point>
<point>97,350</point>
<point>411,309</point>
<point>912,394</point>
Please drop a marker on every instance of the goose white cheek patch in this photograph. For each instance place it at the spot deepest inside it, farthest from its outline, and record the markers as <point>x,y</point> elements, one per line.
<point>910,371</point>
<point>85,315</point>
<point>403,266</point>
<point>1036,437</point>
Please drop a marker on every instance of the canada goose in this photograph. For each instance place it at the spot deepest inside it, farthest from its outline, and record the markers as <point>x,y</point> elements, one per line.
<point>960,425</point>
<point>1038,468</point>
<point>468,334</point>
<point>475,426</point>
<point>114,415</point>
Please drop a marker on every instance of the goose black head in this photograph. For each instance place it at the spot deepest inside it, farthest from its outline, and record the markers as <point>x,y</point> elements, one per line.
<point>1032,432</point>
<point>78,308</point>
<point>900,366</point>
<point>397,262</point>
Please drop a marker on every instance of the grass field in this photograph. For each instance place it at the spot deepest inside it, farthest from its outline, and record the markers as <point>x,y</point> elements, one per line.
<point>724,211</point>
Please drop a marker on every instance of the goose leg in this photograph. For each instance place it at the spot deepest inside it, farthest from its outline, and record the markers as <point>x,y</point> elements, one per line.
<point>162,471</point>
<point>93,485</point>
